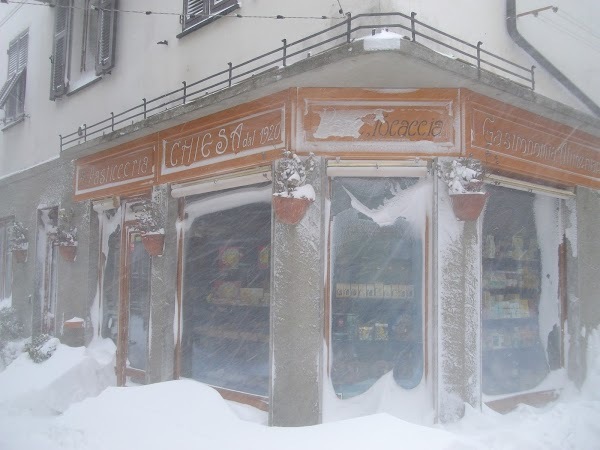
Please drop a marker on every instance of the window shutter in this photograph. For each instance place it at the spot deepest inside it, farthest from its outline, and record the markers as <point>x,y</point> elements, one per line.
<point>194,8</point>
<point>13,58</point>
<point>23,42</point>
<point>107,21</point>
<point>62,31</point>
<point>216,6</point>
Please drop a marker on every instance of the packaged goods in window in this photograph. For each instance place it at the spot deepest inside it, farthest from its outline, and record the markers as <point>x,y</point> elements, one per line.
<point>229,257</point>
<point>365,333</point>
<point>376,306</point>
<point>381,332</point>
<point>226,289</point>
<point>264,255</point>
<point>514,358</point>
<point>225,341</point>
<point>251,296</point>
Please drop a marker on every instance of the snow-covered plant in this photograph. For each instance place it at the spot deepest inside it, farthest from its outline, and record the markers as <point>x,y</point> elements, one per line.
<point>41,347</point>
<point>290,175</point>
<point>11,331</point>
<point>66,232</point>
<point>67,237</point>
<point>149,219</point>
<point>11,327</point>
<point>462,175</point>
<point>18,236</point>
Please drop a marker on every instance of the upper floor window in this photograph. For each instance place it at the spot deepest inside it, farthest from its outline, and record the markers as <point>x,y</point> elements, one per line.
<point>84,43</point>
<point>197,13</point>
<point>12,94</point>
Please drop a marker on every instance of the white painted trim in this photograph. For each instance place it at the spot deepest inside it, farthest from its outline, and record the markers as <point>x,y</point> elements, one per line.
<point>411,169</point>
<point>219,183</point>
<point>498,180</point>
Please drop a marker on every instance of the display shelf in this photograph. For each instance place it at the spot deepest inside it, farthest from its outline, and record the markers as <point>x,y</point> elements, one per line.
<point>224,333</point>
<point>509,320</point>
<point>524,348</point>
<point>235,302</point>
<point>510,261</point>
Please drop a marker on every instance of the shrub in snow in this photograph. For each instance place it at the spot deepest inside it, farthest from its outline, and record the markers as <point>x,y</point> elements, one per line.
<point>11,330</point>
<point>18,236</point>
<point>10,326</point>
<point>462,175</point>
<point>41,347</point>
<point>290,175</point>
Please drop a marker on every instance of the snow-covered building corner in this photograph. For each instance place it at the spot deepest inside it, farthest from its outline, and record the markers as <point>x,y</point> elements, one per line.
<point>138,200</point>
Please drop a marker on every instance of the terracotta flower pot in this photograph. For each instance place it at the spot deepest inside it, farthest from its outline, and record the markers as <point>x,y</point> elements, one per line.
<point>154,243</point>
<point>468,207</point>
<point>20,255</point>
<point>74,325</point>
<point>290,210</point>
<point>68,252</point>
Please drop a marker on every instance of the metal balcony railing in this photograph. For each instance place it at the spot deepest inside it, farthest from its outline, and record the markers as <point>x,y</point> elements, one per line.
<point>347,30</point>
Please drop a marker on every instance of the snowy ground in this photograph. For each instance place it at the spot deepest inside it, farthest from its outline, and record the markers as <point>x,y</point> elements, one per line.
<point>67,402</point>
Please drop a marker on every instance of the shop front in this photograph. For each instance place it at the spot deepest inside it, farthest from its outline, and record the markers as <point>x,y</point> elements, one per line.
<point>378,294</point>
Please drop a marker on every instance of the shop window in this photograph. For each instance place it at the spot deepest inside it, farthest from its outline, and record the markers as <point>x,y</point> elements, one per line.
<point>139,265</point>
<point>5,262</point>
<point>520,312</point>
<point>377,283</point>
<point>226,298</point>
<point>110,285</point>
<point>47,255</point>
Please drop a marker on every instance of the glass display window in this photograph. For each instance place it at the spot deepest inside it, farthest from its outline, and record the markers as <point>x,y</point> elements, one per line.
<point>110,285</point>
<point>139,264</point>
<point>520,290</point>
<point>5,261</point>
<point>226,289</point>
<point>376,284</point>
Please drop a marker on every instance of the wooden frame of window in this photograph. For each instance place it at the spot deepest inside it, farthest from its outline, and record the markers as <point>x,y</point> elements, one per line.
<point>128,230</point>
<point>6,258</point>
<point>258,401</point>
<point>48,255</point>
<point>365,160</point>
<point>558,192</point>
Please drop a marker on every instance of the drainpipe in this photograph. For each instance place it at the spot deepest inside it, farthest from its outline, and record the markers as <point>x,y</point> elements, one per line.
<point>511,25</point>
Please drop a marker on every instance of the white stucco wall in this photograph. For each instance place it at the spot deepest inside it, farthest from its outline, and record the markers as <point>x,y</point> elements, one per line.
<point>145,69</point>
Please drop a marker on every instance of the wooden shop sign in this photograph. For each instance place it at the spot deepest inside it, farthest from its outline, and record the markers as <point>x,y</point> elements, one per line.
<point>511,138</point>
<point>186,152</point>
<point>419,126</point>
<point>115,171</point>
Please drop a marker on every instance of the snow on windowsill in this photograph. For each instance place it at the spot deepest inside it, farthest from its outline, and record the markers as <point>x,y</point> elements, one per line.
<point>87,79</point>
<point>556,380</point>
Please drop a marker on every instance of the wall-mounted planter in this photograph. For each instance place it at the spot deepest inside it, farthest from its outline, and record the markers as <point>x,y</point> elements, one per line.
<point>467,207</point>
<point>154,243</point>
<point>290,210</point>
<point>74,324</point>
<point>68,252</point>
<point>20,255</point>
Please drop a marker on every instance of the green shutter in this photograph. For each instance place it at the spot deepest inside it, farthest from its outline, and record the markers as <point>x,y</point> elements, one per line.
<point>107,21</point>
<point>60,55</point>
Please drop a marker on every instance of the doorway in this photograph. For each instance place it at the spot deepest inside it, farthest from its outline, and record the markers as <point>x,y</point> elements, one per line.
<point>124,272</point>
